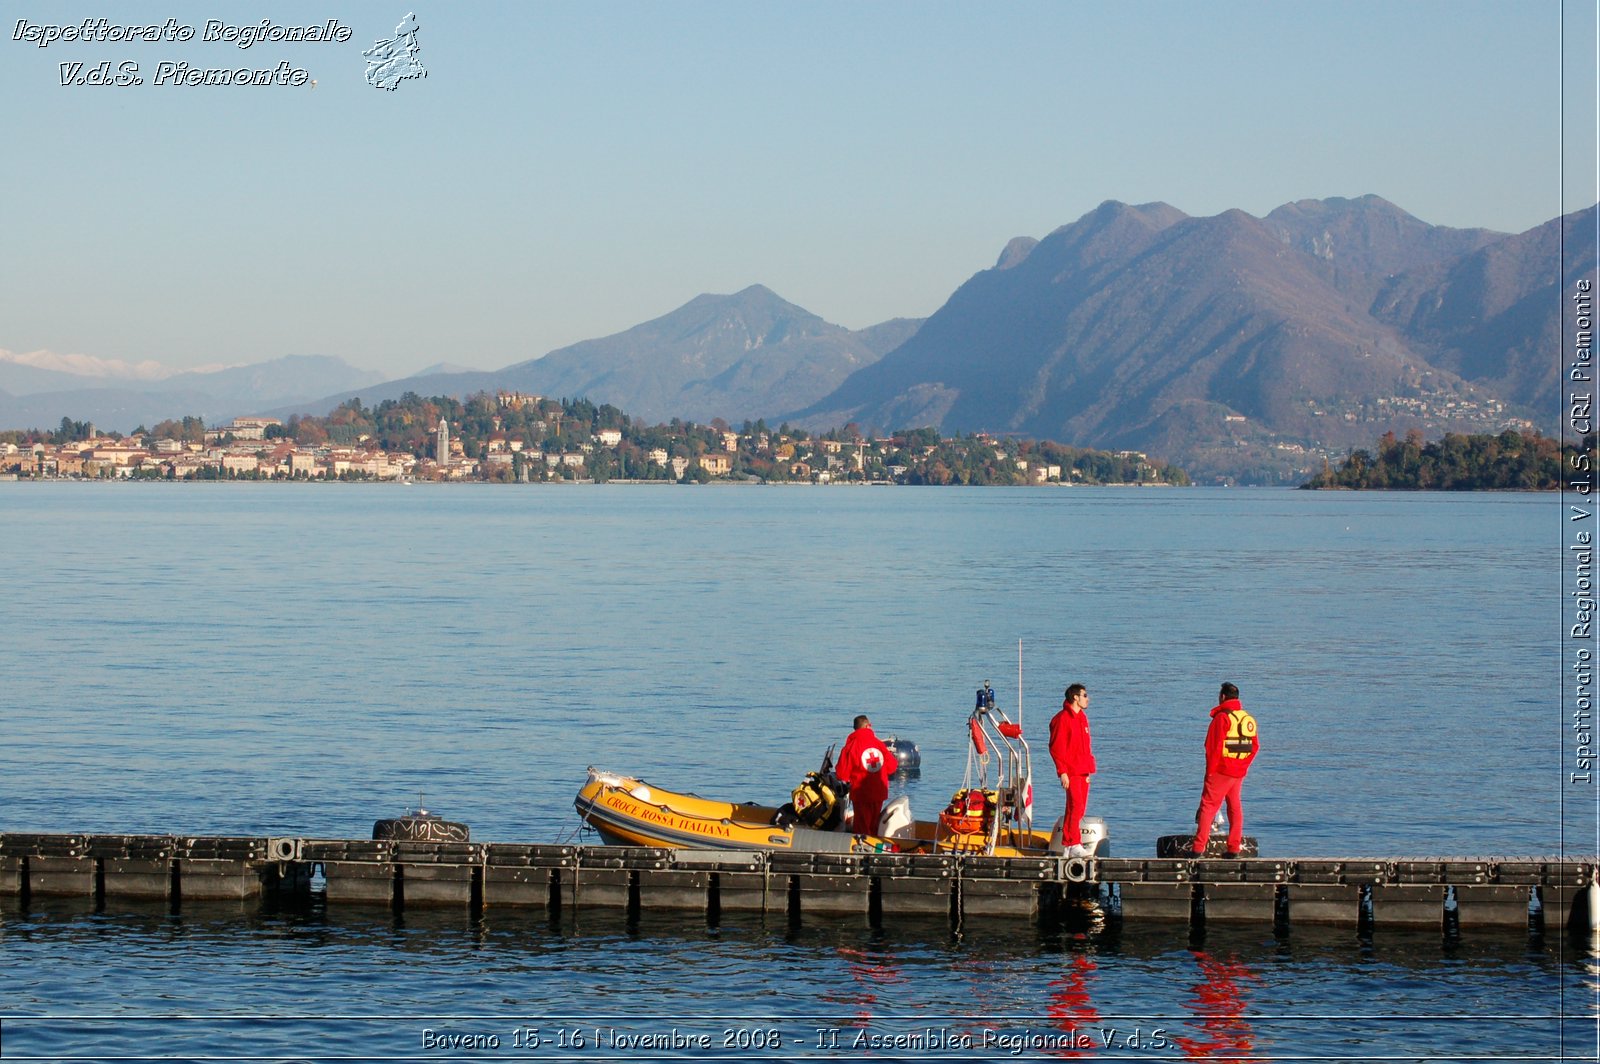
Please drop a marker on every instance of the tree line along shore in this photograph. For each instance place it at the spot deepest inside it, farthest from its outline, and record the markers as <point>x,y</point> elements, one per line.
<point>516,438</point>
<point>1507,461</point>
<point>510,437</point>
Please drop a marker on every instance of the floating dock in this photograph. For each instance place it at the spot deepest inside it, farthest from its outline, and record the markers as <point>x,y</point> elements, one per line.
<point>1453,894</point>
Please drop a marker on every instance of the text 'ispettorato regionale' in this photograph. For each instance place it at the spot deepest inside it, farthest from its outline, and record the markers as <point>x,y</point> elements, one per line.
<point>178,72</point>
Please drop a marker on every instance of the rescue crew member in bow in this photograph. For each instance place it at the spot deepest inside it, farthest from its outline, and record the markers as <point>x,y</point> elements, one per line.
<point>866,765</point>
<point>1231,744</point>
<point>1074,759</point>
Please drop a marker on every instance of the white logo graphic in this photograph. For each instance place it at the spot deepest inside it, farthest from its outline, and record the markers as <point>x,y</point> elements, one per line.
<point>393,61</point>
<point>872,760</point>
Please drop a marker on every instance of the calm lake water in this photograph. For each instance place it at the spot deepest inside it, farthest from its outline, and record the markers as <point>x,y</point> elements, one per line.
<point>300,660</point>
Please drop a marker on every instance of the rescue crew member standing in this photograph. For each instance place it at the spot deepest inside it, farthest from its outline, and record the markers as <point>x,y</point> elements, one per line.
<point>866,765</point>
<point>1231,744</point>
<point>1074,759</point>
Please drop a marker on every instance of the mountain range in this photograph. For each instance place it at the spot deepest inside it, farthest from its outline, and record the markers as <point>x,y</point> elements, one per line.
<point>1233,345</point>
<point>716,356</point>
<point>1214,341</point>
<point>117,398</point>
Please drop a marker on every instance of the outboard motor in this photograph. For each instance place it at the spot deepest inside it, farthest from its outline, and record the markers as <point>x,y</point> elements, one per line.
<point>895,822</point>
<point>1096,837</point>
<point>906,753</point>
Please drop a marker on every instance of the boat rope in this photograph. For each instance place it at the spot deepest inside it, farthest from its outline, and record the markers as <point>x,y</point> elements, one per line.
<point>583,818</point>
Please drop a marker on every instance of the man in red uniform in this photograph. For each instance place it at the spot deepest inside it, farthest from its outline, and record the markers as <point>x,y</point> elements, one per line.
<point>866,765</point>
<point>1231,744</point>
<point>1074,760</point>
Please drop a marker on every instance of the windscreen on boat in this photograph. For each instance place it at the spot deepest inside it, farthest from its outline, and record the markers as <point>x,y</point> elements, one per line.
<point>809,840</point>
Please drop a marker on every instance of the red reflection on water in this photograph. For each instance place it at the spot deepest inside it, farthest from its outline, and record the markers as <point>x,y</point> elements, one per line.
<point>868,972</point>
<point>1070,1004</point>
<point>1218,1005</point>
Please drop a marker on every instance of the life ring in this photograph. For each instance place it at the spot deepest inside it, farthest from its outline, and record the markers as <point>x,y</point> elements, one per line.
<point>961,825</point>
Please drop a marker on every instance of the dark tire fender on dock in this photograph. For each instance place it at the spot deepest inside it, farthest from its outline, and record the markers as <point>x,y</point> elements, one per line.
<point>1178,845</point>
<point>420,828</point>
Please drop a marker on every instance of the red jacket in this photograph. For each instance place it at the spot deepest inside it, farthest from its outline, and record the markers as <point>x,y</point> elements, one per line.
<point>866,764</point>
<point>1069,743</point>
<point>1216,736</point>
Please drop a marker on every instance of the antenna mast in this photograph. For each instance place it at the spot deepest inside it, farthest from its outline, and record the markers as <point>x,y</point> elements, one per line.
<point>1019,681</point>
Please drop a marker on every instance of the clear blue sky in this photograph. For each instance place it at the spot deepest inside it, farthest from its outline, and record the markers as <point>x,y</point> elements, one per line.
<point>567,170</point>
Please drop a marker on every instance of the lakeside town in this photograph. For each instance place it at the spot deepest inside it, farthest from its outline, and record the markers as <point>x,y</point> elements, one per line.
<point>517,438</point>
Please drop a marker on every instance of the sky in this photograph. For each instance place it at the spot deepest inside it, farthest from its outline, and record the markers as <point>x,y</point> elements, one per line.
<point>568,170</point>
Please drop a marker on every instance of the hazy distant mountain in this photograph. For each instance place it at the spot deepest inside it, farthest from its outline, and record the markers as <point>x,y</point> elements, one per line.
<point>458,383</point>
<point>972,361</point>
<point>110,409</point>
<point>1493,315</point>
<point>280,380</point>
<point>888,335</point>
<point>1360,244</point>
<point>40,398</point>
<point>45,371</point>
<point>1143,328</point>
<point>746,355</point>
<point>18,378</point>
<point>442,368</point>
<point>1207,341</point>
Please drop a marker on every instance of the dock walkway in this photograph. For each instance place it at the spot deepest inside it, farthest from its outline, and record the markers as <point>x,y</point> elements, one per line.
<point>1463,894</point>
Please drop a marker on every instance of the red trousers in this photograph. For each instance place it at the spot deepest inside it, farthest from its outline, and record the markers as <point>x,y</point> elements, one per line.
<point>1218,789</point>
<point>1077,788</point>
<point>865,811</point>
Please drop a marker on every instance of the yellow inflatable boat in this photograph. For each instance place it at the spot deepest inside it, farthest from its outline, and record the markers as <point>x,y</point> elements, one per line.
<point>985,817</point>
<point>630,812</point>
